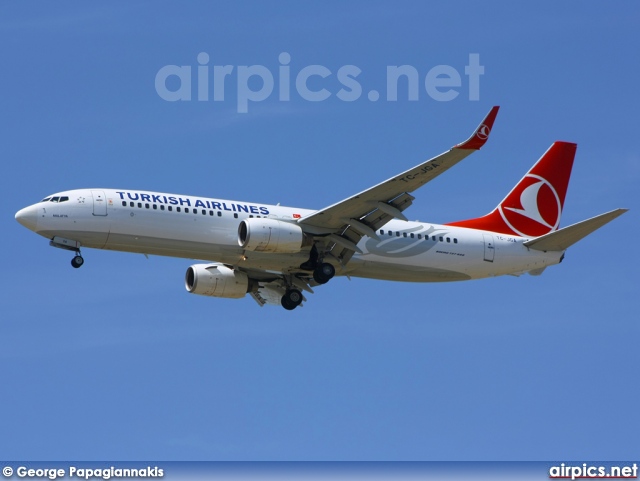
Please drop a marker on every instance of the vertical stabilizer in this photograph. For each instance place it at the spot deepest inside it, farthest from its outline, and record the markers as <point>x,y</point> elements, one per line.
<point>534,206</point>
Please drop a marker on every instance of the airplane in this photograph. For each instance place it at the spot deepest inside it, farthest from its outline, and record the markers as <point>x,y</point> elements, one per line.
<point>276,253</point>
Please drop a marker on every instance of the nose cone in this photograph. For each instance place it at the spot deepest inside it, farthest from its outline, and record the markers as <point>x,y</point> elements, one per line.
<point>28,217</point>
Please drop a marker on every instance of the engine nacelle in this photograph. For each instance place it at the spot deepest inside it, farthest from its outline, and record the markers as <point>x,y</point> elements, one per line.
<point>270,235</point>
<point>217,280</point>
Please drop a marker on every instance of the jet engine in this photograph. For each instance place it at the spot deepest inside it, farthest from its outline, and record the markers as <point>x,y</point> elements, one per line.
<point>270,235</point>
<point>218,281</point>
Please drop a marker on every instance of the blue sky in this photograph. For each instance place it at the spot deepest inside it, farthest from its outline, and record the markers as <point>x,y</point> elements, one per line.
<point>117,361</point>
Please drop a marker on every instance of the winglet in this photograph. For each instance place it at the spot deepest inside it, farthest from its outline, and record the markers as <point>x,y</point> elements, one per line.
<point>480,136</point>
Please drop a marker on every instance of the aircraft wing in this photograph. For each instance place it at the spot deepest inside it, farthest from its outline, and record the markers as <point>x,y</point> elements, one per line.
<point>346,222</point>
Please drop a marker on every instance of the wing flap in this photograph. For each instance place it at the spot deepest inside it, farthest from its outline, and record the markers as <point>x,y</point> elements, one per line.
<point>566,237</point>
<point>271,292</point>
<point>375,219</point>
<point>268,295</point>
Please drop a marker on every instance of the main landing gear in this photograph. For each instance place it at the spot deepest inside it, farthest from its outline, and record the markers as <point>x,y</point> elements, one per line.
<point>292,298</point>
<point>323,272</point>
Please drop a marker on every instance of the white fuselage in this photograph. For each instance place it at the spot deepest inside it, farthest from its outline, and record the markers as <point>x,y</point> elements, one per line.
<point>207,229</point>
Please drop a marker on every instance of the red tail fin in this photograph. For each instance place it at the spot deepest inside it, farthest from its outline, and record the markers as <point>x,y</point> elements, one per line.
<point>534,206</point>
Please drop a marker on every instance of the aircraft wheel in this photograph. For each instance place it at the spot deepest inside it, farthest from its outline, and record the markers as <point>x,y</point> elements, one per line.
<point>77,261</point>
<point>291,299</point>
<point>324,273</point>
<point>285,303</point>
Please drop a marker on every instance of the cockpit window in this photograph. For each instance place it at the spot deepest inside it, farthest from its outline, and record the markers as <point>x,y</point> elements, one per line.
<point>55,199</point>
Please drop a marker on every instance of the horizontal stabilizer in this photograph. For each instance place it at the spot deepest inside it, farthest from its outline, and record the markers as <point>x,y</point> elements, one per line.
<point>566,237</point>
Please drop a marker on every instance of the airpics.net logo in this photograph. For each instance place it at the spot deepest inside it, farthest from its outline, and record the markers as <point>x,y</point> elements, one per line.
<point>313,83</point>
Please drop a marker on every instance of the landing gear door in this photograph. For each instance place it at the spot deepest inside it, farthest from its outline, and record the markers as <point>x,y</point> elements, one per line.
<point>99,202</point>
<point>489,248</point>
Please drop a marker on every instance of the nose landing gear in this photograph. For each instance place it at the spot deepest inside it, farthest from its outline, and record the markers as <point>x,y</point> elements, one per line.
<point>77,261</point>
<point>68,245</point>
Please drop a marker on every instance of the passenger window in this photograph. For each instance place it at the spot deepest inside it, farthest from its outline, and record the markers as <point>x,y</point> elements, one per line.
<point>397,234</point>
<point>433,238</point>
<point>250,216</point>
<point>381,231</point>
<point>204,212</point>
<point>412,235</point>
<point>146,206</point>
<point>236,216</point>
<point>131,204</point>
<point>404,234</point>
<point>455,241</point>
<point>177,209</point>
<point>219,214</point>
<point>186,210</point>
<point>139,205</point>
<point>170,208</point>
<point>155,207</point>
<point>390,233</point>
<point>124,203</point>
<point>419,236</point>
<point>441,239</point>
<point>162,207</point>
